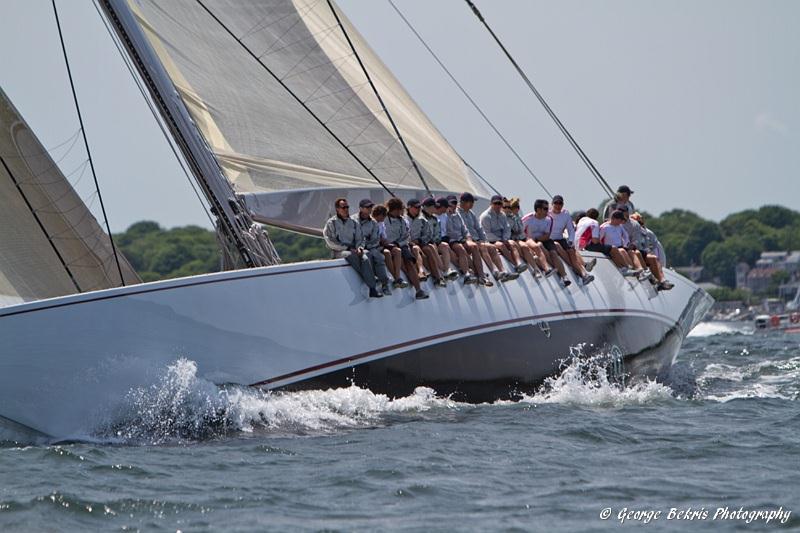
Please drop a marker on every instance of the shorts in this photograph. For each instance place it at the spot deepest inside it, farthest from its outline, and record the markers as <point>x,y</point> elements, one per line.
<point>549,245</point>
<point>565,244</point>
<point>602,248</point>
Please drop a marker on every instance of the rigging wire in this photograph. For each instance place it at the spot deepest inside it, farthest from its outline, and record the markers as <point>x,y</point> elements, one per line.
<point>286,87</point>
<point>596,173</point>
<point>153,111</point>
<point>380,100</point>
<point>482,178</point>
<point>471,100</point>
<point>86,142</point>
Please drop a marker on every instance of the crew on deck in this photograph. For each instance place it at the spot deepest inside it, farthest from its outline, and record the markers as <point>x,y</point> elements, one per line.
<point>437,234</point>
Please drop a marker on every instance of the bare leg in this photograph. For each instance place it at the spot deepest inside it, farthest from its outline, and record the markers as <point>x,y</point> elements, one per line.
<point>433,260</point>
<point>475,253</point>
<point>444,256</point>
<point>460,258</point>
<point>576,262</point>
<point>411,271</point>
<point>397,261</point>
<point>419,264</point>
<point>529,255</point>
<point>617,258</point>
<point>559,265</point>
<point>541,254</point>
<point>655,267</point>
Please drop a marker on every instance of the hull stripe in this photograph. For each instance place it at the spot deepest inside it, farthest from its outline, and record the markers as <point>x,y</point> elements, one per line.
<point>423,340</point>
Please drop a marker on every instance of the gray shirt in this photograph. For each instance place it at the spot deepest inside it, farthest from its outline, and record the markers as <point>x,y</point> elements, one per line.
<point>634,232</point>
<point>612,205</point>
<point>495,225</point>
<point>341,235</point>
<point>396,230</point>
<point>517,229</point>
<point>456,230</point>
<point>434,231</point>
<point>370,232</point>
<point>473,226</point>
<point>417,228</point>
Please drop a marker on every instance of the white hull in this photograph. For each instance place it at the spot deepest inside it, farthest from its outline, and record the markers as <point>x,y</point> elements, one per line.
<point>64,362</point>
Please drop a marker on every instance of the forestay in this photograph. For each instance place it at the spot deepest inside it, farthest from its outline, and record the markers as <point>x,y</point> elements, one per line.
<point>284,105</point>
<point>50,244</point>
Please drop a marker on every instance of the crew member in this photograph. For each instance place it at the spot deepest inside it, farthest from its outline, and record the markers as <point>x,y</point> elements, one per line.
<point>343,236</point>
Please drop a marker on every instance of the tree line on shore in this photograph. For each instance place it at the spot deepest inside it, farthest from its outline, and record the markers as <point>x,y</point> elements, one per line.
<point>688,239</point>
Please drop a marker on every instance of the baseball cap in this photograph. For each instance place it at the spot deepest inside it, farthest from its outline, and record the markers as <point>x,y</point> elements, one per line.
<point>624,189</point>
<point>412,203</point>
<point>558,199</point>
<point>467,197</point>
<point>428,202</point>
<point>452,200</point>
<point>366,202</point>
<point>496,198</point>
<point>442,202</point>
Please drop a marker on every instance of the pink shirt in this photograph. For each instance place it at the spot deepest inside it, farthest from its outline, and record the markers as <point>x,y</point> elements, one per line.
<point>614,235</point>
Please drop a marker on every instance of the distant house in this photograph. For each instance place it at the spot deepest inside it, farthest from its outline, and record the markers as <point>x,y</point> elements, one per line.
<point>758,278</point>
<point>786,261</point>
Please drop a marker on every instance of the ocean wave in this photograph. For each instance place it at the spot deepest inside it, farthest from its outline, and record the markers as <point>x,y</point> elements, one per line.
<point>708,329</point>
<point>182,406</point>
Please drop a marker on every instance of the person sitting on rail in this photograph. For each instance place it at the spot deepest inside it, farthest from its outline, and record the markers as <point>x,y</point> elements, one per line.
<point>371,235</point>
<point>528,249</point>
<point>621,198</point>
<point>648,244</point>
<point>495,226</point>
<point>634,231</point>
<point>379,215</point>
<point>612,233</point>
<point>397,243</point>
<point>539,227</point>
<point>457,239</point>
<point>419,239</point>
<point>343,236</point>
<point>489,253</point>
<point>562,222</point>
<point>588,238</point>
<point>433,236</point>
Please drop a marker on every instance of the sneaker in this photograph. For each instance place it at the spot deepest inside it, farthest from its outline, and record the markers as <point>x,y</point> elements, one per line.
<point>440,283</point>
<point>522,267</point>
<point>664,286</point>
<point>587,279</point>
<point>550,272</point>
<point>469,279</point>
<point>590,264</point>
<point>627,272</point>
<point>451,274</point>
<point>537,274</point>
<point>375,293</point>
<point>511,275</point>
<point>386,290</point>
<point>644,275</point>
<point>499,276</point>
<point>400,284</point>
<point>423,277</point>
<point>565,280</point>
<point>486,281</point>
<point>421,295</point>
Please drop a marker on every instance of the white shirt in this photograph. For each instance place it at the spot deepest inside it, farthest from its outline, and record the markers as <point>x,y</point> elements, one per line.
<point>614,235</point>
<point>539,228</point>
<point>562,221</point>
<point>442,223</point>
<point>588,229</point>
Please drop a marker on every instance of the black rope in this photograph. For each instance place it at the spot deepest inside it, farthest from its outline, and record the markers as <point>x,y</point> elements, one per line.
<point>41,225</point>
<point>153,111</point>
<point>86,143</point>
<point>265,67</point>
<point>471,100</point>
<point>596,173</point>
<point>380,100</point>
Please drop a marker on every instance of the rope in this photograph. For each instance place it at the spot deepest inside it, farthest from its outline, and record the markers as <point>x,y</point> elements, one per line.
<point>596,173</point>
<point>380,100</point>
<point>471,101</point>
<point>86,142</point>
<point>265,67</point>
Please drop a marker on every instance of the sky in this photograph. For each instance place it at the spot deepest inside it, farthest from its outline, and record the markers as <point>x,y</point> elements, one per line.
<point>693,104</point>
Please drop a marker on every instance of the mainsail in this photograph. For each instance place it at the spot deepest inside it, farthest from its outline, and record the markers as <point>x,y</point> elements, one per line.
<point>284,105</point>
<point>50,243</point>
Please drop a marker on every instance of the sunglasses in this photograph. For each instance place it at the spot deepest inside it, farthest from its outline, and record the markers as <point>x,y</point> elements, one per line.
<point>558,203</point>
<point>344,207</point>
<point>497,203</point>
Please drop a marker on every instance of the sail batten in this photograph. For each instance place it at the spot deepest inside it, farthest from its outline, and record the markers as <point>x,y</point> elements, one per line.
<point>317,123</point>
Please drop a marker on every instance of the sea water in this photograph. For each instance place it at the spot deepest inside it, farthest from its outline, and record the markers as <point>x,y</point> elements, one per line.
<point>715,447</point>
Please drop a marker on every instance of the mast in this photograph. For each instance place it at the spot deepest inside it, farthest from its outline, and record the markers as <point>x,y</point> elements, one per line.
<point>234,221</point>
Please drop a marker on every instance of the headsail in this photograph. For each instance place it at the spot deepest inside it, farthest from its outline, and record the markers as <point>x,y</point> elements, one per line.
<point>50,243</point>
<point>279,96</point>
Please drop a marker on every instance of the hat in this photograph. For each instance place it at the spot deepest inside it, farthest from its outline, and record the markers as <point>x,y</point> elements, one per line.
<point>618,215</point>
<point>428,202</point>
<point>558,199</point>
<point>467,197</point>
<point>452,200</point>
<point>495,198</point>
<point>624,189</point>
<point>412,203</point>
<point>441,202</point>
<point>366,202</point>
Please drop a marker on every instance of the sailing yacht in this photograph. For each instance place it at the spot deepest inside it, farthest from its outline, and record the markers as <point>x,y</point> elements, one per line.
<point>276,108</point>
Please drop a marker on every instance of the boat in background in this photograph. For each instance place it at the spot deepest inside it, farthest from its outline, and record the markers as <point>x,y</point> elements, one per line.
<point>275,108</point>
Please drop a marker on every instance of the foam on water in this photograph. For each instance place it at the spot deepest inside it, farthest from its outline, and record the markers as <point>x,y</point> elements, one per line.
<point>183,406</point>
<point>770,378</point>
<point>707,329</point>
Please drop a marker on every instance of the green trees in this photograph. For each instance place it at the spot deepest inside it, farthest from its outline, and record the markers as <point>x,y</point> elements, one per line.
<point>684,235</point>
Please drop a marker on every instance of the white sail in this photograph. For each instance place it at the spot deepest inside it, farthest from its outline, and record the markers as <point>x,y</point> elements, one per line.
<point>50,244</point>
<point>276,139</point>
